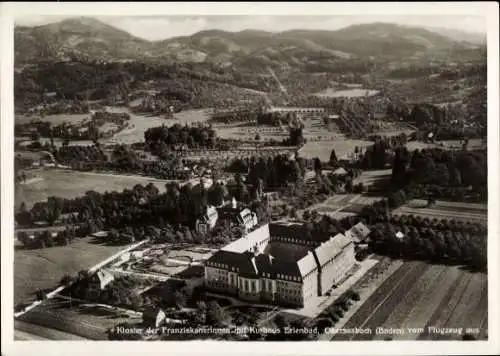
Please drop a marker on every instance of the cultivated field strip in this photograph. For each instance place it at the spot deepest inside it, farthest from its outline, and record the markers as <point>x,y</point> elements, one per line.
<point>441,214</point>
<point>397,293</point>
<point>431,297</point>
<point>419,295</point>
<point>50,320</point>
<point>467,313</point>
<point>403,311</point>
<point>43,333</point>
<point>454,205</point>
<point>446,307</point>
<point>375,299</point>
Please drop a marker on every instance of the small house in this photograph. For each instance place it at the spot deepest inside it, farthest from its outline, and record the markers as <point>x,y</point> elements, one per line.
<point>208,220</point>
<point>99,280</point>
<point>153,316</point>
<point>339,172</point>
<point>358,232</point>
<point>247,219</point>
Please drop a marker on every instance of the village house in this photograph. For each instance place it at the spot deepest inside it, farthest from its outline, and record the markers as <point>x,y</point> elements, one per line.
<point>244,218</point>
<point>99,280</point>
<point>247,219</point>
<point>153,317</point>
<point>358,233</point>
<point>208,220</point>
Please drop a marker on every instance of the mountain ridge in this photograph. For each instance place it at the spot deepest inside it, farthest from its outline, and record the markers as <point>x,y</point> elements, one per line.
<point>90,37</point>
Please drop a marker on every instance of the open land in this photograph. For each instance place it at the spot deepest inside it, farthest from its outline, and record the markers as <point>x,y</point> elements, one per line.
<point>43,268</point>
<point>70,184</point>
<point>445,210</point>
<point>420,295</point>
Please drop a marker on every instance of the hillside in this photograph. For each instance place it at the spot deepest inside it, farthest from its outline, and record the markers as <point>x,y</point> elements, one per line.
<point>76,36</point>
<point>461,36</point>
<point>250,48</point>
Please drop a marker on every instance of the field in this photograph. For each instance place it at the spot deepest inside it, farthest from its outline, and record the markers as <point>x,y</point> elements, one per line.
<point>445,210</point>
<point>323,149</point>
<point>347,93</point>
<point>54,119</point>
<point>43,269</point>
<point>69,184</point>
<point>342,205</point>
<point>76,320</point>
<point>419,295</point>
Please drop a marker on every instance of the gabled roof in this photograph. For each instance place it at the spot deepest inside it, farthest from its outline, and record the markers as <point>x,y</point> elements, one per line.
<point>249,240</point>
<point>289,229</point>
<point>331,248</point>
<point>340,171</point>
<point>306,264</point>
<point>104,277</point>
<point>358,232</point>
<point>151,312</point>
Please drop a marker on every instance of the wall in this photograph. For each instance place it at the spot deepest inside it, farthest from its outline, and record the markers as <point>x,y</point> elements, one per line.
<point>216,278</point>
<point>310,288</point>
<point>249,288</point>
<point>289,292</point>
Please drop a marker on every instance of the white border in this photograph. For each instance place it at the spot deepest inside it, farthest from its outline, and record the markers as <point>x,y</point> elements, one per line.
<point>488,10</point>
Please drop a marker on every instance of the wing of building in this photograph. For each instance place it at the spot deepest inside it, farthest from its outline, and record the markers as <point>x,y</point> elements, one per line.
<point>279,263</point>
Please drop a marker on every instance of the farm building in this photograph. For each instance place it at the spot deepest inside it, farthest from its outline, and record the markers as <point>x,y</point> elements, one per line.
<point>99,280</point>
<point>277,263</point>
<point>153,317</point>
<point>358,232</point>
<point>247,219</point>
<point>339,172</point>
<point>207,221</point>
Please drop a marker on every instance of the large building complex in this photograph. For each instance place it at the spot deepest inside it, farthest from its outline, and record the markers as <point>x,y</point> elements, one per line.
<point>279,263</point>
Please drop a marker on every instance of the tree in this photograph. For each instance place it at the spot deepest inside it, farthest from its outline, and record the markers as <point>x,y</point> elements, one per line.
<point>66,280</point>
<point>179,299</point>
<point>348,186</point>
<point>215,314</point>
<point>333,158</point>
<point>442,175</point>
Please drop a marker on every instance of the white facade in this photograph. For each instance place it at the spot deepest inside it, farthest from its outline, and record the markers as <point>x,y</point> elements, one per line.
<point>246,268</point>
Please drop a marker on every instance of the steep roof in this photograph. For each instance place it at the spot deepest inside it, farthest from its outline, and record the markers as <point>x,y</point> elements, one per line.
<point>340,171</point>
<point>331,248</point>
<point>249,240</point>
<point>104,277</point>
<point>306,264</point>
<point>289,229</point>
<point>151,312</point>
<point>358,232</point>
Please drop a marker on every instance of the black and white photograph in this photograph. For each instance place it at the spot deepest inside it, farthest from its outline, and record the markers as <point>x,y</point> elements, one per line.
<point>251,177</point>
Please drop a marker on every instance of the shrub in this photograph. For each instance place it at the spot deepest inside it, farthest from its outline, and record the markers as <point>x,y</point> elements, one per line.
<point>355,296</point>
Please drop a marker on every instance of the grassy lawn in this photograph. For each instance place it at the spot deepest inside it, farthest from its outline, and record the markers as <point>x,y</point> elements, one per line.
<point>70,184</point>
<point>43,268</point>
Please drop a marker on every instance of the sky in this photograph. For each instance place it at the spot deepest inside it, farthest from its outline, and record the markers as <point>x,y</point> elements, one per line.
<point>161,27</point>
